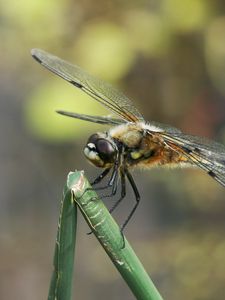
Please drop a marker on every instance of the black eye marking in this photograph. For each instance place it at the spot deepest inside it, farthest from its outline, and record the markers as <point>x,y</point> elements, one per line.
<point>91,146</point>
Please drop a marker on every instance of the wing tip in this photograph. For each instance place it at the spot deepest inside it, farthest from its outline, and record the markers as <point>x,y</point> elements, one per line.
<point>36,54</point>
<point>61,112</point>
<point>65,113</point>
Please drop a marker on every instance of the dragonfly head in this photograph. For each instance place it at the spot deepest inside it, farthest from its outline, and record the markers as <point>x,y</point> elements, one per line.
<point>101,150</point>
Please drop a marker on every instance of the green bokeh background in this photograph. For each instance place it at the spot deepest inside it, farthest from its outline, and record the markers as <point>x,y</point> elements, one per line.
<point>169,57</point>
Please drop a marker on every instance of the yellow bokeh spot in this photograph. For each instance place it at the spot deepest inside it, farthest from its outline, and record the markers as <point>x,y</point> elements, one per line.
<point>215,52</point>
<point>186,15</point>
<point>103,49</point>
<point>148,32</point>
<point>42,120</point>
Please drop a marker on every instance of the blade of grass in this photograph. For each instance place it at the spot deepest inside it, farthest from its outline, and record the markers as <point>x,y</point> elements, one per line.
<point>62,275</point>
<point>108,233</point>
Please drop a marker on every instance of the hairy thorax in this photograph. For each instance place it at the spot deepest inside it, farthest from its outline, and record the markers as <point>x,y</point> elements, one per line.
<point>145,147</point>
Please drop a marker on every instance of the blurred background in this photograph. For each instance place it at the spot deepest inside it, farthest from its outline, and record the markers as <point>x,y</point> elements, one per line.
<point>169,57</point>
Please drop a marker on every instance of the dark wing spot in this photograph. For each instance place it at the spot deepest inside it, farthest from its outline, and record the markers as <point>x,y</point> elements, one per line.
<point>197,150</point>
<point>78,85</point>
<point>212,174</point>
<point>36,58</point>
<point>186,149</point>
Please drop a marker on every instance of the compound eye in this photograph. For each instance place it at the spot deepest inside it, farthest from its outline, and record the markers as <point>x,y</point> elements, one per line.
<point>93,138</point>
<point>105,150</point>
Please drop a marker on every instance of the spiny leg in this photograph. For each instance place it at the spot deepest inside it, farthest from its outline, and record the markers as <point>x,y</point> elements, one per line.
<point>114,184</point>
<point>114,178</point>
<point>101,176</point>
<point>123,192</point>
<point>137,199</point>
<point>113,181</point>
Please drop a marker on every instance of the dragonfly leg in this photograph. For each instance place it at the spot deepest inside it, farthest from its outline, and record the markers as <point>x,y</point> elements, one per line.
<point>100,177</point>
<point>137,199</point>
<point>123,192</point>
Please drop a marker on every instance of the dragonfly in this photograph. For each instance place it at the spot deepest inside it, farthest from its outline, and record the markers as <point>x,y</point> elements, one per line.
<point>131,141</point>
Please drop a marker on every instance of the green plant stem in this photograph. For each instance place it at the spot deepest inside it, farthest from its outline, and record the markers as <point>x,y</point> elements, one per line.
<point>108,233</point>
<point>62,275</point>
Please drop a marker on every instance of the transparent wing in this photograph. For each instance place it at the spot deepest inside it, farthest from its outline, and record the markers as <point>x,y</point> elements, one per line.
<point>106,120</point>
<point>206,154</point>
<point>96,88</point>
<point>165,127</point>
